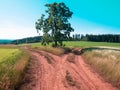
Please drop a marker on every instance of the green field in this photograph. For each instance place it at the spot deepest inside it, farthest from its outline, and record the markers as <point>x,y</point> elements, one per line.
<point>90,44</point>
<point>83,44</point>
<point>6,54</point>
<point>12,64</point>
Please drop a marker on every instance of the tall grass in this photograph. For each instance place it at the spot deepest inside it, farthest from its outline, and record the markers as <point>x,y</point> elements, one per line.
<point>12,64</point>
<point>106,62</point>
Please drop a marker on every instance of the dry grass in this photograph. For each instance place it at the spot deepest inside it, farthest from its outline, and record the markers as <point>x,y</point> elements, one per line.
<point>56,51</point>
<point>19,69</point>
<point>12,69</point>
<point>106,62</point>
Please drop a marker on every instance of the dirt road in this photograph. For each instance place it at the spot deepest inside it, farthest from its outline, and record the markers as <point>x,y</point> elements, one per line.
<point>68,72</point>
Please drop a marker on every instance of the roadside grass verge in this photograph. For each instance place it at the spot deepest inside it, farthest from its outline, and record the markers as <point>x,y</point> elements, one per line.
<point>57,51</point>
<point>13,62</point>
<point>106,62</point>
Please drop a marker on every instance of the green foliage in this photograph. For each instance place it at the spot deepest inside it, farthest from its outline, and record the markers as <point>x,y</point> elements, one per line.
<point>27,40</point>
<point>55,27</point>
<point>97,38</point>
<point>46,39</point>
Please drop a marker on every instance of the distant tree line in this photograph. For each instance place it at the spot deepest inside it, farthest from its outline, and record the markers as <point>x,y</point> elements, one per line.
<point>97,38</point>
<point>27,40</point>
<point>74,37</point>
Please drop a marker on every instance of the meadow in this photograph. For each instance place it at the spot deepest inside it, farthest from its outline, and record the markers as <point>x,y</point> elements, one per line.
<point>85,44</point>
<point>12,64</point>
<point>82,44</point>
<point>106,62</point>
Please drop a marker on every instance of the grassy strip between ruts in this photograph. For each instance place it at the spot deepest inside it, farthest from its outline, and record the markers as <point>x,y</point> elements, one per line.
<point>106,62</point>
<point>12,65</point>
<point>57,51</point>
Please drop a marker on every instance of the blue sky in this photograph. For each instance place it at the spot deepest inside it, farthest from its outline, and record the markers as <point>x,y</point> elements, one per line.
<point>18,17</point>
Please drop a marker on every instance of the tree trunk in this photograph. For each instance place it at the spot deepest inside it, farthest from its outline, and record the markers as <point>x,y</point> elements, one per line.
<point>55,43</point>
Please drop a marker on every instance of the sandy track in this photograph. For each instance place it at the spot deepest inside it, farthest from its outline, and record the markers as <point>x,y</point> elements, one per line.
<point>52,72</point>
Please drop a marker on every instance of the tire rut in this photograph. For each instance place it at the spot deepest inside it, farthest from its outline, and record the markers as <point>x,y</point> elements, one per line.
<point>62,74</point>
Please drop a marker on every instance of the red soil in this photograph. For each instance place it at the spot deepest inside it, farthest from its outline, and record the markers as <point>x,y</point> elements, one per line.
<point>60,74</point>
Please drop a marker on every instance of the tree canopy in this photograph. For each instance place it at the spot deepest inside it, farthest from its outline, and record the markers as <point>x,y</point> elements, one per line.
<point>55,26</point>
